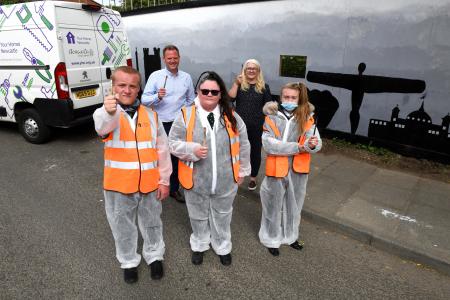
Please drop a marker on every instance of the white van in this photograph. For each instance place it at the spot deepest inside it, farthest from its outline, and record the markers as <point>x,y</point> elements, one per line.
<point>56,58</point>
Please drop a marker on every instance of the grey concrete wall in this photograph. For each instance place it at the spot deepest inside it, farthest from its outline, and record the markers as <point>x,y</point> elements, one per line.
<point>401,38</point>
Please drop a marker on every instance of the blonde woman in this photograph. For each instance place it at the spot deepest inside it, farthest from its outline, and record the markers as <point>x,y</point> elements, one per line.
<point>250,93</point>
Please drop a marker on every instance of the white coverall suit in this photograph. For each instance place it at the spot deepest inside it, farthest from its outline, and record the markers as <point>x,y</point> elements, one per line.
<point>122,209</point>
<point>210,201</point>
<point>282,198</point>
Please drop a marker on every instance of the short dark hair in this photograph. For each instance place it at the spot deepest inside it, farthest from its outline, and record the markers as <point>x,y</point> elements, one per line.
<point>128,70</point>
<point>170,47</point>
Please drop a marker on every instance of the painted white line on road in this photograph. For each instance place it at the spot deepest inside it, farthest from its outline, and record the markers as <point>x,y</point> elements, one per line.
<point>390,214</point>
<point>49,167</point>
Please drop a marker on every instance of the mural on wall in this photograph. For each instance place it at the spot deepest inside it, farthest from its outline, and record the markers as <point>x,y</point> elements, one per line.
<point>417,129</point>
<point>404,44</point>
<point>361,84</point>
<point>325,105</point>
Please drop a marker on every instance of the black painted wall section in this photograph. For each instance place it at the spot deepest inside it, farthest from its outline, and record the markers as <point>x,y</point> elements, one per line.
<point>152,62</point>
<point>415,135</point>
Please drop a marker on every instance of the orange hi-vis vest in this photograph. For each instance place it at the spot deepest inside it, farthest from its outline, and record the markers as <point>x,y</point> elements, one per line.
<point>131,158</point>
<point>278,166</point>
<point>186,168</point>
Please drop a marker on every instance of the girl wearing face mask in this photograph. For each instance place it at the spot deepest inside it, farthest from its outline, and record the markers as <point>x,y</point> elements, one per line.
<point>289,138</point>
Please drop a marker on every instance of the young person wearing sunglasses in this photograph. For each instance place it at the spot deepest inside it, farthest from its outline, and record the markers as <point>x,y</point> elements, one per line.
<point>166,91</point>
<point>211,143</point>
<point>250,93</point>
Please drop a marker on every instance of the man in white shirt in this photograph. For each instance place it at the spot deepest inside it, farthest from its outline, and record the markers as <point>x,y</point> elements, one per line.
<point>167,91</point>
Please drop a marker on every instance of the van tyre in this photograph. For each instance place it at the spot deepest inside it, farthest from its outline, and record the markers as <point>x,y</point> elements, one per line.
<point>32,127</point>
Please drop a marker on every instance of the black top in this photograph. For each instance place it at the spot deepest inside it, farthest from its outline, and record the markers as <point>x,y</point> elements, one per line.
<point>249,105</point>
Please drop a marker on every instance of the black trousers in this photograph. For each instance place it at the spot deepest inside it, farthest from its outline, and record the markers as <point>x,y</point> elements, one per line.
<point>254,136</point>
<point>174,183</point>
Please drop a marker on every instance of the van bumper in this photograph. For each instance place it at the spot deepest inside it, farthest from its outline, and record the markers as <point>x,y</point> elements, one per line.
<point>60,112</point>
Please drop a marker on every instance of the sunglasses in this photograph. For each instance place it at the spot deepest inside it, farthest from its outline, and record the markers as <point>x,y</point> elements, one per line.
<point>205,92</point>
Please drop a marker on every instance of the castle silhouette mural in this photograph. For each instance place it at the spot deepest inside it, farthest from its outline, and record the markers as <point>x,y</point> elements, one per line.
<point>416,129</point>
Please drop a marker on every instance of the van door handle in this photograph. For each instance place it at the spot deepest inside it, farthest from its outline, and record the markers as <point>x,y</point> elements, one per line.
<point>108,73</point>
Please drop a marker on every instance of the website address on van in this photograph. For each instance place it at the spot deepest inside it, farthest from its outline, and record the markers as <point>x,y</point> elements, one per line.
<point>9,51</point>
<point>83,63</point>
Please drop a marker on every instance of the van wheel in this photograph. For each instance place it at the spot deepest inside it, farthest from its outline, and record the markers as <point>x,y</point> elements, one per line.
<point>32,127</point>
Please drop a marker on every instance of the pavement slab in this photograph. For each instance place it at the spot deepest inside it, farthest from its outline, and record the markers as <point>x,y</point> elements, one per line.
<point>395,211</point>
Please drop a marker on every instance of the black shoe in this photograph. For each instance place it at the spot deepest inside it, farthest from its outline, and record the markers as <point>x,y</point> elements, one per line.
<point>296,245</point>
<point>156,269</point>
<point>252,185</point>
<point>130,275</point>
<point>225,259</point>
<point>177,196</point>
<point>274,251</point>
<point>197,258</point>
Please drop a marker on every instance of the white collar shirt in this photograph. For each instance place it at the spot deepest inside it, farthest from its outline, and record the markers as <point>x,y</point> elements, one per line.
<point>203,114</point>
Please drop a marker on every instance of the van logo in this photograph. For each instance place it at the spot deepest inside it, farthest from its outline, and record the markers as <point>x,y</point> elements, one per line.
<point>70,38</point>
<point>85,75</point>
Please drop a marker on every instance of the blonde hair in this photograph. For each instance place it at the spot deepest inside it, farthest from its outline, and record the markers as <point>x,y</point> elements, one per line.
<point>260,84</point>
<point>125,69</point>
<point>303,110</point>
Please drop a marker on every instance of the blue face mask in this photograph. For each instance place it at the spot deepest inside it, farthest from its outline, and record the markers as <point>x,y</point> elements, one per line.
<point>289,106</point>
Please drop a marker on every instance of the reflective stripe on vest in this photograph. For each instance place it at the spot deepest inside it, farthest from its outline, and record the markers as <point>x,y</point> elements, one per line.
<point>186,168</point>
<point>278,166</point>
<point>131,158</point>
<point>302,160</point>
<point>130,144</point>
<point>234,148</point>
